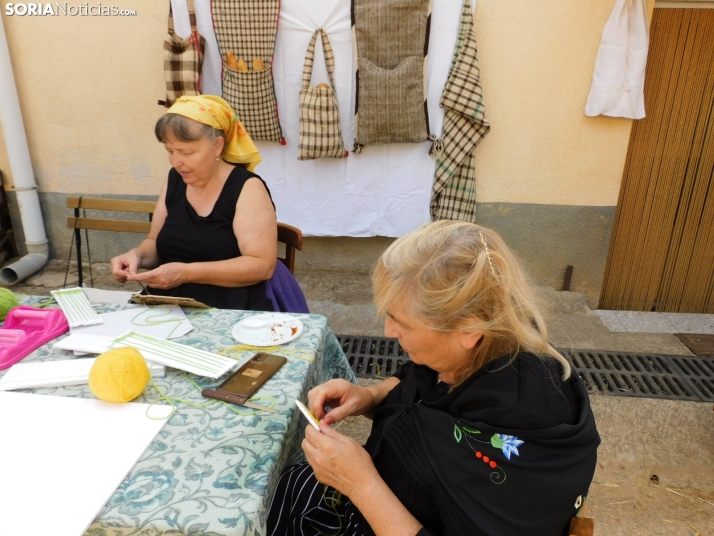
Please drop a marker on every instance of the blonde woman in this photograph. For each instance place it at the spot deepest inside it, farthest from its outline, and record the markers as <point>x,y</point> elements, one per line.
<point>486,431</point>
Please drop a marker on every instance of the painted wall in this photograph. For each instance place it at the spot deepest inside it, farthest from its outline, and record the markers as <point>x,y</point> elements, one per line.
<point>538,67</point>
<point>88,88</point>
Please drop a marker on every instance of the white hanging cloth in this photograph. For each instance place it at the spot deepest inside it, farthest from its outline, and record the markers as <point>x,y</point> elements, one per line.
<point>384,191</point>
<point>617,88</point>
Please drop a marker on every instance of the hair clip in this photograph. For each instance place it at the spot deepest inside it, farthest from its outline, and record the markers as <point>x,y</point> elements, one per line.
<point>485,247</point>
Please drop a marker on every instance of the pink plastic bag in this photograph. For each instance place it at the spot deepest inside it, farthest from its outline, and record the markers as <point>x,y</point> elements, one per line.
<point>26,329</point>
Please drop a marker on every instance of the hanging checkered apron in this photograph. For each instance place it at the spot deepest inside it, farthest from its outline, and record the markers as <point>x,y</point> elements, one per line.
<point>465,125</point>
<point>320,132</point>
<point>392,40</point>
<point>247,28</point>
<point>183,60</point>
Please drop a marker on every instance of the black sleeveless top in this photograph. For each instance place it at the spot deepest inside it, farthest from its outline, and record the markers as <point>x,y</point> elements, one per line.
<point>187,237</point>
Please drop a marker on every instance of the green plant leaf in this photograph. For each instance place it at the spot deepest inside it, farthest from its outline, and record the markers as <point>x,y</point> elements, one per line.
<point>472,430</point>
<point>457,434</point>
<point>496,441</point>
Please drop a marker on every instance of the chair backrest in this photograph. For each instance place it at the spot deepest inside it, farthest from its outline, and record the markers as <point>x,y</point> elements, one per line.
<point>104,224</point>
<point>292,238</point>
<point>287,234</point>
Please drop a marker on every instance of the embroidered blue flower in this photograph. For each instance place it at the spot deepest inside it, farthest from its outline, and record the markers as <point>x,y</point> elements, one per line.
<point>251,420</point>
<point>507,443</point>
<point>227,482</point>
<point>145,491</point>
<point>195,471</point>
<point>257,482</point>
<point>274,427</point>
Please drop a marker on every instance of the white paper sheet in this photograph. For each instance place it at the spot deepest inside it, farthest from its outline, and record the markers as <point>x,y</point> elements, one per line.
<point>85,344</point>
<point>58,467</point>
<point>384,191</point>
<point>97,295</point>
<point>56,373</point>
<point>161,321</point>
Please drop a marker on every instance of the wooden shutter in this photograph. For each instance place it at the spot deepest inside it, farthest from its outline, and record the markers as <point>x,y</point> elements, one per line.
<point>662,249</point>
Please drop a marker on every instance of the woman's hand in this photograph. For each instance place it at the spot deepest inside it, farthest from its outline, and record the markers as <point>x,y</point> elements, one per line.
<point>340,462</point>
<point>337,460</point>
<point>343,397</point>
<point>166,276</point>
<point>125,265</point>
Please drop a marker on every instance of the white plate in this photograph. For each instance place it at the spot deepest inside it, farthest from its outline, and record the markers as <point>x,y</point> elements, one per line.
<point>267,329</point>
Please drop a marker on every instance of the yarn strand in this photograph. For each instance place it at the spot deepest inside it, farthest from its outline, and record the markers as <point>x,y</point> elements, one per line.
<point>156,319</point>
<point>171,400</point>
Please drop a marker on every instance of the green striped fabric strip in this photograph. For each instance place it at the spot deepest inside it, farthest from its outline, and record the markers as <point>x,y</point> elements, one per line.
<point>172,354</point>
<point>75,306</point>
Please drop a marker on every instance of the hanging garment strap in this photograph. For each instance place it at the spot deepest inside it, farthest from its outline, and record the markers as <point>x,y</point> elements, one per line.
<point>465,27</point>
<point>310,59</point>
<point>191,18</point>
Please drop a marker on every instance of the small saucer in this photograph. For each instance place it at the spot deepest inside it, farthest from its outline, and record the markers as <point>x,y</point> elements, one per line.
<point>267,329</point>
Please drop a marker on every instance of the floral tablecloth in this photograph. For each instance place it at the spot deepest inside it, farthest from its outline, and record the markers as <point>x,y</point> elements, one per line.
<point>213,469</point>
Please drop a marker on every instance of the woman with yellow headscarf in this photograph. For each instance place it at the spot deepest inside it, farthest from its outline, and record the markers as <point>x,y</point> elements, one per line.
<point>213,235</point>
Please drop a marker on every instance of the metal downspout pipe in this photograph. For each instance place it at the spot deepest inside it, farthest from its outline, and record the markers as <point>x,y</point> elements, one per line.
<point>23,177</point>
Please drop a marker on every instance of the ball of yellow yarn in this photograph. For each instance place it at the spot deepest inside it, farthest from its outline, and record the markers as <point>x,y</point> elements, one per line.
<point>119,375</point>
<point>8,300</point>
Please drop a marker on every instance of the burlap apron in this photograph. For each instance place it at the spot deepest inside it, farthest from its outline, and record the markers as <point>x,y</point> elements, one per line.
<point>183,60</point>
<point>247,29</point>
<point>465,125</point>
<point>320,132</point>
<point>392,38</point>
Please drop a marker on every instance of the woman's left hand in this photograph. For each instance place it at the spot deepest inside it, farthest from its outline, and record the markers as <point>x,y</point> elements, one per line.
<point>169,275</point>
<point>337,460</point>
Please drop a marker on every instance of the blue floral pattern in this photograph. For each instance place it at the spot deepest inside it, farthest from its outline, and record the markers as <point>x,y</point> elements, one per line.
<point>212,471</point>
<point>509,445</point>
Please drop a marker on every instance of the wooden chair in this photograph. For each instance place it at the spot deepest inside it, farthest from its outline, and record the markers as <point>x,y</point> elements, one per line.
<point>582,526</point>
<point>287,234</point>
<point>292,238</point>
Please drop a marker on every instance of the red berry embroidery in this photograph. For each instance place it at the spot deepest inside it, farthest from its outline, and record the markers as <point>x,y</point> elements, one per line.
<point>493,465</point>
<point>478,454</point>
<point>486,459</point>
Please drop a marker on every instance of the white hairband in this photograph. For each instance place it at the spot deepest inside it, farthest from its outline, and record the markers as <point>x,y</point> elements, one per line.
<point>485,247</point>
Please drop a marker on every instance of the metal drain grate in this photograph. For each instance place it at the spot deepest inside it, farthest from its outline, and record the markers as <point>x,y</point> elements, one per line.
<point>627,374</point>
<point>699,373</point>
<point>372,357</point>
<point>607,373</point>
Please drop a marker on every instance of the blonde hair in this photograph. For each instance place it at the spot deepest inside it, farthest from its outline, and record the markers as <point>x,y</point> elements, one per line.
<point>450,273</point>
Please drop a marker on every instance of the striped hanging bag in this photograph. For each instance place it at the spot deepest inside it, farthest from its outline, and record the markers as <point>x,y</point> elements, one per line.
<point>246,32</point>
<point>320,132</point>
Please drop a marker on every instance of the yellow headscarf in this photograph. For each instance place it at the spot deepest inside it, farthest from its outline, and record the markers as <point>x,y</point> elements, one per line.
<point>214,111</point>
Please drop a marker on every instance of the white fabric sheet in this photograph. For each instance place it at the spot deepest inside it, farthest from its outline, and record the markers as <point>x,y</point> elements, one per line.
<point>384,191</point>
<point>617,88</point>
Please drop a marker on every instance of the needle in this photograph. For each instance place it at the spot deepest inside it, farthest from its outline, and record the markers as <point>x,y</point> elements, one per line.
<point>145,288</point>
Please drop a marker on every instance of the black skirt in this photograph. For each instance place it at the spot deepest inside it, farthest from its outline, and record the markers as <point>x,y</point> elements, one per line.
<point>302,506</point>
